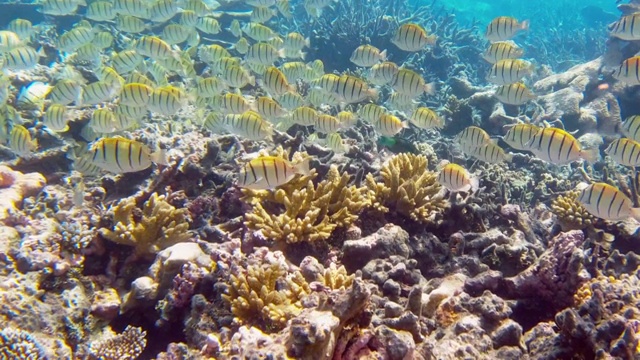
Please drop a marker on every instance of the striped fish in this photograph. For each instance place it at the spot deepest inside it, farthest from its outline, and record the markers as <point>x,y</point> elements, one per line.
<point>258,32</point>
<point>559,147</point>
<point>627,28</point>
<point>383,73</point>
<point>136,94</point>
<point>98,92</point>
<point>295,41</point>
<point>103,40</point>
<point>327,82</point>
<point>514,94</point>
<point>426,118</point>
<point>318,98</point>
<point>101,11</point>
<point>269,108</point>
<point>21,58</point>
<point>502,50</point>
<point>335,143</point>
<point>410,83</point>
<point>261,14</point>
<point>212,53</point>
<point>504,28</point>
<point>412,37</point>
<point>162,10</point>
<point>103,121</point>
<point>132,8</point>
<point>249,125</point>
<point>208,25</point>
<point>197,6</point>
<point>327,124</point>
<point>629,71</point>
<point>607,202</point>
<point>175,33</point>
<point>509,71</point>
<point>491,153</point>
<point>154,47</point>
<point>130,24</point>
<point>234,28</point>
<point>126,61</point>
<point>9,40</point>
<point>60,7</point>
<point>210,87</point>
<point>367,55</point>
<point>120,155</point>
<point>275,82</point>
<point>242,46</point>
<point>22,27</point>
<point>236,76</point>
<point>519,135</point>
<point>456,178</point>
<point>291,100</point>
<point>472,137</point>
<point>625,152</point>
<point>188,18</point>
<point>65,92</point>
<point>133,112</point>
<point>304,116</point>
<point>167,100</point>
<point>631,127</point>
<point>76,37</point>
<point>351,90</point>
<point>55,118</point>
<point>269,172</point>
<point>231,103</point>
<point>371,113</point>
<point>20,141</point>
<point>347,119</point>
<point>389,125</point>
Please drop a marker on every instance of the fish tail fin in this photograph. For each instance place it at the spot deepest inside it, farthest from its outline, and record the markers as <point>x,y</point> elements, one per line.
<point>635,213</point>
<point>373,94</point>
<point>303,55</point>
<point>307,42</point>
<point>475,184</point>
<point>252,81</point>
<point>304,167</point>
<point>430,88</point>
<point>281,53</point>
<point>508,157</point>
<point>591,155</point>
<point>525,25</point>
<point>383,55</point>
<point>160,157</point>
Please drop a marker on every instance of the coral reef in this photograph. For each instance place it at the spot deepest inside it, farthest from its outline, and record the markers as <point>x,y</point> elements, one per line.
<point>155,227</point>
<point>310,213</point>
<point>408,189</point>
<point>14,187</point>
<point>127,345</point>
<point>18,344</point>
<point>571,215</point>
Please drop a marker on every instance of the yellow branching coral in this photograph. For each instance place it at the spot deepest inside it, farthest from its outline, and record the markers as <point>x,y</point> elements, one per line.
<point>155,227</point>
<point>408,189</point>
<point>336,278</point>
<point>571,214</point>
<point>266,295</point>
<point>310,213</point>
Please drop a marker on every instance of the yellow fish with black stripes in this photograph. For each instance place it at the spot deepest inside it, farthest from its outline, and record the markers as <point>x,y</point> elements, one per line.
<point>559,147</point>
<point>269,172</point>
<point>120,155</point>
<point>456,178</point>
<point>607,202</point>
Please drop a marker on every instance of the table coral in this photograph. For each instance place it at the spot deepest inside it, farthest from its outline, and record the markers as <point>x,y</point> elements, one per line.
<point>266,294</point>
<point>15,186</point>
<point>311,213</point>
<point>408,189</point>
<point>571,214</point>
<point>125,346</point>
<point>151,229</point>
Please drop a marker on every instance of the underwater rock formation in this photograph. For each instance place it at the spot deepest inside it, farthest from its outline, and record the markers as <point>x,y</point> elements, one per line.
<point>14,187</point>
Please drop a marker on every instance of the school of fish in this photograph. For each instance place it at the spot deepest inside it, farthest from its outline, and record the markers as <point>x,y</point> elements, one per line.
<point>128,63</point>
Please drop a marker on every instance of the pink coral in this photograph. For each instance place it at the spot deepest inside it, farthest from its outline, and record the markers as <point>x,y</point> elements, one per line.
<point>15,186</point>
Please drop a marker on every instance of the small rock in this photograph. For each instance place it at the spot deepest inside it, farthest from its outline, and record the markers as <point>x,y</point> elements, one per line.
<point>399,344</point>
<point>392,309</point>
<point>509,333</point>
<point>391,288</point>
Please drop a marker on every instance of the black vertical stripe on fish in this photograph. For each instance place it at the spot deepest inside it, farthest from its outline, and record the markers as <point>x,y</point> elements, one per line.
<point>129,155</point>
<point>615,195</point>
<point>265,173</point>
<point>139,155</point>
<point>602,191</point>
<point>115,151</point>
<point>562,146</point>
<point>104,151</point>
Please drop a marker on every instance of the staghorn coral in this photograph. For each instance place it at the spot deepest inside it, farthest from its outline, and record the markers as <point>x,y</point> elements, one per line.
<point>408,189</point>
<point>570,213</point>
<point>311,213</point>
<point>155,227</point>
<point>335,278</point>
<point>267,294</point>
<point>127,345</point>
<point>18,344</point>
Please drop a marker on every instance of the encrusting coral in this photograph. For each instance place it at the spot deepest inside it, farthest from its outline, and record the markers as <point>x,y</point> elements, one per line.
<point>125,346</point>
<point>571,214</point>
<point>153,228</point>
<point>408,189</point>
<point>15,186</point>
<point>311,213</point>
<point>267,293</point>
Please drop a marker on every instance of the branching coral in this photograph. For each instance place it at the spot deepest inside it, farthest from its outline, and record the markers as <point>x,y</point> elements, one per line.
<point>18,344</point>
<point>571,214</point>
<point>408,189</point>
<point>155,227</point>
<point>266,294</point>
<point>335,278</point>
<point>126,346</point>
<point>311,213</point>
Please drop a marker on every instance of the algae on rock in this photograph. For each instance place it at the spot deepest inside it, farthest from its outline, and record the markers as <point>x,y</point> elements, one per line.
<point>151,229</point>
<point>266,295</point>
<point>408,188</point>
<point>307,212</point>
